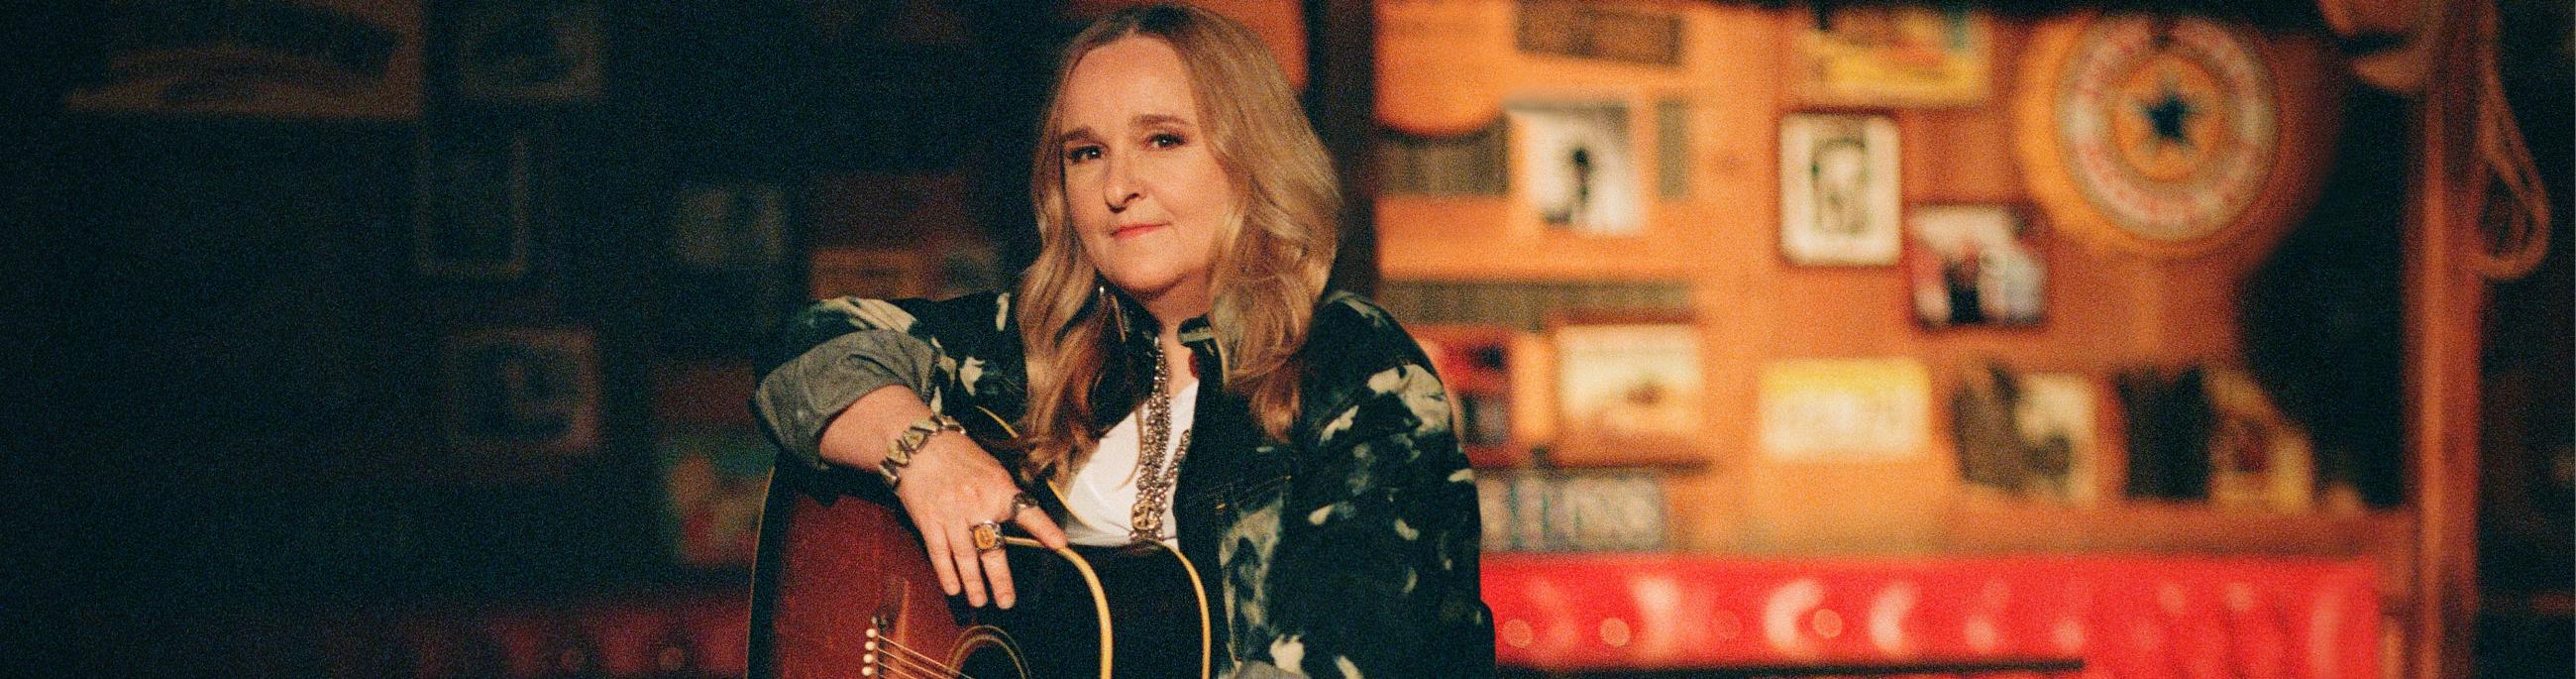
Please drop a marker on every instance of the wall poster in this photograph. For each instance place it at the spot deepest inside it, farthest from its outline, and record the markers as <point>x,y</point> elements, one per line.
<point>1845,410</point>
<point>1894,54</point>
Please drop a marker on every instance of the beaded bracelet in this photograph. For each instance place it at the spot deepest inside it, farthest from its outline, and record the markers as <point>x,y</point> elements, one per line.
<point>910,441</point>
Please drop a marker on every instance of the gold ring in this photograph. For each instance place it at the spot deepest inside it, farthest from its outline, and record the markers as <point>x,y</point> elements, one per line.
<point>987,535</point>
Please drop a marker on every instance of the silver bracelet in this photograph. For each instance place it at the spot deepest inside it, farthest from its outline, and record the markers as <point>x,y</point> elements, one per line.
<point>899,453</point>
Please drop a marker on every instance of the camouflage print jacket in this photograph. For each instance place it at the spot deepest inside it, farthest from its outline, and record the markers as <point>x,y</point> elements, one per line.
<point>1347,550</point>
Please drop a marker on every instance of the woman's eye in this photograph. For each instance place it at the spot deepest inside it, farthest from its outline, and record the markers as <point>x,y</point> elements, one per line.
<point>1081,153</point>
<point>1164,141</point>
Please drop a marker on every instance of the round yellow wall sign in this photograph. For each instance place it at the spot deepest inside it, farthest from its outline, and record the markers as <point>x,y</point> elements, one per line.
<point>2146,133</point>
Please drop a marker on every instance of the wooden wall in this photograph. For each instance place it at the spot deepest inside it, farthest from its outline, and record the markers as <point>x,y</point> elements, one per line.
<point>2105,310</point>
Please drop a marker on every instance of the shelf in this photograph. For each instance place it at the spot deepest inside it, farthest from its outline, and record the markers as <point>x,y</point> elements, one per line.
<point>2162,527</point>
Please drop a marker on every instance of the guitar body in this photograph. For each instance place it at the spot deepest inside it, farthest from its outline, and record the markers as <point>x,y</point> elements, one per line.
<point>842,588</point>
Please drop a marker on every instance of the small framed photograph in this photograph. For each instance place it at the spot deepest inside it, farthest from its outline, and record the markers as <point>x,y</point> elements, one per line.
<point>522,392</point>
<point>529,51</point>
<point>871,274</point>
<point>1838,190</point>
<point>1975,265</point>
<point>481,198</point>
<point>1628,391</point>
<point>1894,54</point>
<point>1575,166</point>
<point>2028,435</point>
<point>714,482</point>
<point>1476,362</point>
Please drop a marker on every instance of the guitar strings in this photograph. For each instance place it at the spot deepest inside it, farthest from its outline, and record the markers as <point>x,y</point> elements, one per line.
<point>931,667</point>
<point>894,667</point>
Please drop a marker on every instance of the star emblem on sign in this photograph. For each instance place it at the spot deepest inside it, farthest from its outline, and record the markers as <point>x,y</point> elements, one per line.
<point>2169,113</point>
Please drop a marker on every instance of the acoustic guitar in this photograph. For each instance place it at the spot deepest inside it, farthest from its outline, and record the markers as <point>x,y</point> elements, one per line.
<point>842,588</point>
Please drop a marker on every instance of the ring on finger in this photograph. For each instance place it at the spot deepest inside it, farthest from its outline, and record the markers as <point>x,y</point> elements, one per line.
<point>987,535</point>
<point>1019,501</point>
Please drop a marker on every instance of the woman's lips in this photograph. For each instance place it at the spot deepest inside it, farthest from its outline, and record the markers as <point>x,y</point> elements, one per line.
<point>1132,230</point>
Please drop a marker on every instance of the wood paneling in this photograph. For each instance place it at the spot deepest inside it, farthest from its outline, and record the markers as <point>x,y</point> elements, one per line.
<point>2105,310</point>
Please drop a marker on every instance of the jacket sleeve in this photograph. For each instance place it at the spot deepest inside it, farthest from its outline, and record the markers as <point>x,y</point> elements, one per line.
<point>838,350</point>
<point>1378,551</point>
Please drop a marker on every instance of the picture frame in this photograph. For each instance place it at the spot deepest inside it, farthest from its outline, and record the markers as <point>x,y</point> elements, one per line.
<point>2029,435</point>
<point>1875,54</point>
<point>1975,265</point>
<point>869,273</point>
<point>529,393</point>
<point>729,225</point>
<point>1575,167</point>
<point>1476,363</point>
<point>2211,433</point>
<point>727,273</point>
<point>2259,458</point>
<point>344,60</point>
<point>1844,409</point>
<point>482,196</point>
<point>529,52</point>
<point>1576,28</point>
<point>1572,510</point>
<point>714,482</point>
<point>1839,190</point>
<point>1629,390</point>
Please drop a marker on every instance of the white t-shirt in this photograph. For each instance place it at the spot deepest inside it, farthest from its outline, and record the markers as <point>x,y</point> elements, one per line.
<point>1102,494</point>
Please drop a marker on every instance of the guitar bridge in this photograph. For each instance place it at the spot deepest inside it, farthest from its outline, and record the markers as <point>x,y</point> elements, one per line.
<point>881,628</point>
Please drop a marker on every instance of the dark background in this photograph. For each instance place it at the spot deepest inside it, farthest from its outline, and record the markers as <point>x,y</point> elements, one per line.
<point>225,384</point>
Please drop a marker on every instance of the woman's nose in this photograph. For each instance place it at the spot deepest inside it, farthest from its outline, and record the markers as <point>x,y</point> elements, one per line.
<point>1118,186</point>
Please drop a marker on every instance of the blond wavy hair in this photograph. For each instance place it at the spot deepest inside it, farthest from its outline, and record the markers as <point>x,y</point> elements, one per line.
<point>1273,253</point>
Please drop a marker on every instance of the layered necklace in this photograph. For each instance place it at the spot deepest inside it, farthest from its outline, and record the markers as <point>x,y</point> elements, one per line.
<point>1156,471</point>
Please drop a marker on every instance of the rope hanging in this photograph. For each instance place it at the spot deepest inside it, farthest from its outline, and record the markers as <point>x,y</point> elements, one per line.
<point>2514,211</point>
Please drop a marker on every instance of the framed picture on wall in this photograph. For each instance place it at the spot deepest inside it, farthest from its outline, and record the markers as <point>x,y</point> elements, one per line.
<point>2207,432</point>
<point>302,60</point>
<point>524,392</point>
<point>1838,189</point>
<point>1572,510</point>
<point>2259,458</point>
<point>870,273</point>
<point>1578,28</point>
<point>729,226</point>
<point>1628,390</point>
<point>729,273</point>
<point>529,51</point>
<point>713,483</point>
<point>1975,265</point>
<point>1894,54</point>
<point>481,198</point>
<point>1476,362</point>
<point>1575,166</point>
<point>2029,435</point>
<point>1845,409</point>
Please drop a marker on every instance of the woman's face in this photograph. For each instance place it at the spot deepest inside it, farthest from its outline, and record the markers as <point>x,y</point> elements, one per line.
<point>1146,196</point>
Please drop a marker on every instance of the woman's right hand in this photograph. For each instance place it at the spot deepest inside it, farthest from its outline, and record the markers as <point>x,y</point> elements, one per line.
<point>951,485</point>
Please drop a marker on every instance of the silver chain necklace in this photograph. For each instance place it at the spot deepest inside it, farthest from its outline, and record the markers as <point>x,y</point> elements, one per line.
<point>1156,473</point>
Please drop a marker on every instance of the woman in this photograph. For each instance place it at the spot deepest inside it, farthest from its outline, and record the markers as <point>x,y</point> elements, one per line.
<point>1174,371</point>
